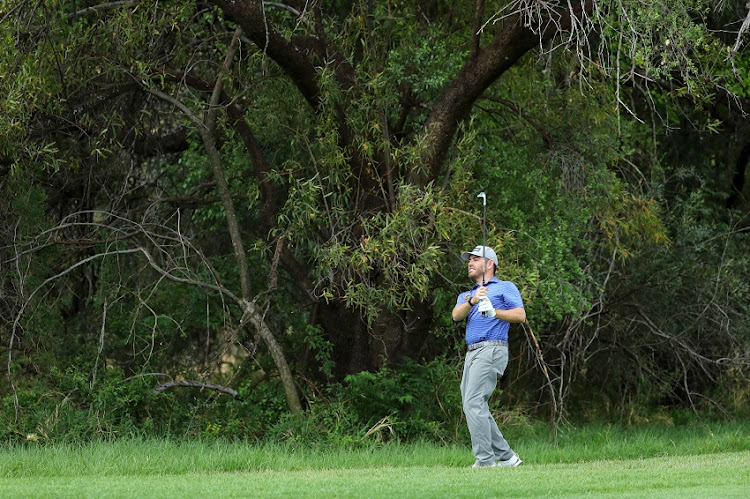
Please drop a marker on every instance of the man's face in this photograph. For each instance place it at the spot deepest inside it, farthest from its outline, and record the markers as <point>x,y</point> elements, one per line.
<point>475,267</point>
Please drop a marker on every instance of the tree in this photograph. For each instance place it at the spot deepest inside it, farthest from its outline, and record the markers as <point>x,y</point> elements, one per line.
<point>346,135</point>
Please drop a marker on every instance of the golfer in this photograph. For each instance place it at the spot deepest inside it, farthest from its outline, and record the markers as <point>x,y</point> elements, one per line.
<point>489,308</point>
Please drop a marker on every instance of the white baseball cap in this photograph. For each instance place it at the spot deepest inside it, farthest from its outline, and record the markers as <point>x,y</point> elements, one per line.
<point>484,251</point>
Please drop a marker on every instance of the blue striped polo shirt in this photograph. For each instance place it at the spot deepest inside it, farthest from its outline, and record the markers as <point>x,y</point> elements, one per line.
<point>503,295</point>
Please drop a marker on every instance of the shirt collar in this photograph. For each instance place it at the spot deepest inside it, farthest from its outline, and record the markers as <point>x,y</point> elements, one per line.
<point>493,279</point>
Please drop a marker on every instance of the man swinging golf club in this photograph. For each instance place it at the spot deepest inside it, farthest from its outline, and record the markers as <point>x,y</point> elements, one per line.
<point>489,308</point>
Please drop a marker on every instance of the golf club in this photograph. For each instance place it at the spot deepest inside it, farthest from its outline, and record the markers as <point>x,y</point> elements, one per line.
<point>484,232</point>
<point>484,235</point>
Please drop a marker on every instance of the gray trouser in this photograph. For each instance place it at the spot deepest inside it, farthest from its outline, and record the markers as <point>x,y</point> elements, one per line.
<point>482,369</point>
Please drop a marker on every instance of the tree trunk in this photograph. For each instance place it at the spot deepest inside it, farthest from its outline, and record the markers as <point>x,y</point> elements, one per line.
<point>391,337</point>
<point>206,129</point>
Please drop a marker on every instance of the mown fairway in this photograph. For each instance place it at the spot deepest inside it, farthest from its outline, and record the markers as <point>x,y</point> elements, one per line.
<point>599,462</point>
<point>716,475</point>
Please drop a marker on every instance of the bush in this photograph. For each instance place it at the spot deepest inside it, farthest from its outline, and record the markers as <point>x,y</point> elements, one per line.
<point>412,403</point>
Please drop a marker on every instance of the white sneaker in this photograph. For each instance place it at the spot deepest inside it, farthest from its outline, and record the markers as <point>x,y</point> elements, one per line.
<point>510,463</point>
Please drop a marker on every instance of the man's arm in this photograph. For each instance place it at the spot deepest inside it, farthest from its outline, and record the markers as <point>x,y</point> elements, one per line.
<point>461,311</point>
<point>513,315</point>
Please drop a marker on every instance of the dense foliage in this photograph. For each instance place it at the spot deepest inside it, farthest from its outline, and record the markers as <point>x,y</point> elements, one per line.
<point>244,218</point>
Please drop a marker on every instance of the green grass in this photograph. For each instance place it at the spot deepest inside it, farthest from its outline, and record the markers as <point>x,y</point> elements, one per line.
<point>706,460</point>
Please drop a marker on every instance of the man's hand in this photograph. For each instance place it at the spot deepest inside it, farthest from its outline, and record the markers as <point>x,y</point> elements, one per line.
<point>485,306</point>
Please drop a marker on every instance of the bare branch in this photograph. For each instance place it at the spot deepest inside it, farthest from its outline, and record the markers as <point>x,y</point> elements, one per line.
<point>477,35</point>
<point>740,33</point>
<point>213,104</point>
<point>103,7</point>
<point>284,7</point>
<point>517,109</point>
<point>196,384</point>
<point>179,105</point>
<point>556,403</point>
<point>101,344</point>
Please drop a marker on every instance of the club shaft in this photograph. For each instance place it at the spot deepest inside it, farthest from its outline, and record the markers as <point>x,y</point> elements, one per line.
<point>484,241</point>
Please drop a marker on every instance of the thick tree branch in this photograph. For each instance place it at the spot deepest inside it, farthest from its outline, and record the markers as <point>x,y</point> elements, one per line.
<point>250,17</point>
<point>513,39</point>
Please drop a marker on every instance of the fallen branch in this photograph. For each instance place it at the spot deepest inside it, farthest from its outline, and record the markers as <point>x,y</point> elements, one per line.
<point>196,384</point>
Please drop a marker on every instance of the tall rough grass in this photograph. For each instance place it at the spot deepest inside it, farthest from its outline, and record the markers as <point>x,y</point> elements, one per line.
<point>169,457</point>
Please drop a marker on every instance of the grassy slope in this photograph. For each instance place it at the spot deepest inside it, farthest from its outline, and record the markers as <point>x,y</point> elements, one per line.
<point>596,461</point>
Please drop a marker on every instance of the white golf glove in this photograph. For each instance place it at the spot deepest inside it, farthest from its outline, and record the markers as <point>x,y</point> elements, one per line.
<point>485,306</point>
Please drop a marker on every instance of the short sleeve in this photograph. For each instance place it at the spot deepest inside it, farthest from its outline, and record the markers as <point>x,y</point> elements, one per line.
<point>512,297</point>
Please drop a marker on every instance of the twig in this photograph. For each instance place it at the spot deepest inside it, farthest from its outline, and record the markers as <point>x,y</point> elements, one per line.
<point>101,344</point>
<point>540,359</point>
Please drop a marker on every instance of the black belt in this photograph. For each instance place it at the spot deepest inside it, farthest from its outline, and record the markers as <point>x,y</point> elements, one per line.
<point>488,343</point>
